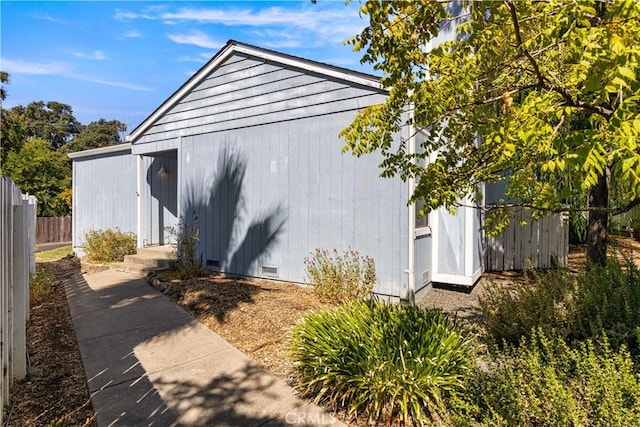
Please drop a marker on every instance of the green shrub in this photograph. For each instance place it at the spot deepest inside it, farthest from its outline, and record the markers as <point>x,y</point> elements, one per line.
<point>187,237</point>
<point>604,300</point>
<point>511,311</point>
<point>109,245</point>
<point>544,382</point>
<point>341,278</point>
<point>381,360</point>
<point>40,286</point>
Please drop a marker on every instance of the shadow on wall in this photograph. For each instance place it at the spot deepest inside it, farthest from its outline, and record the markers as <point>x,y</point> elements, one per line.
<point>230,234</point>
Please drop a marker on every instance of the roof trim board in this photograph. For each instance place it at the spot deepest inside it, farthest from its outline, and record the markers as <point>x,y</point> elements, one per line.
<point>232,47</point>
<point>98,151</point>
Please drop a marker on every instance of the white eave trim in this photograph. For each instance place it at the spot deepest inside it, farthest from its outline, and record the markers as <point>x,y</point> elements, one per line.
<point>229,50</point>
<point>98,151</point>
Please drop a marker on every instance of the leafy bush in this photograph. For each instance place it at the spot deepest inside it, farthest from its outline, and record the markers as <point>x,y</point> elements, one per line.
<point>382,360</point>
<point>40,286</point>
<point>575,307</point>
<point>341,278</point>
<point>109,245</point>
<point>544,382</point>
<point>187,237</point>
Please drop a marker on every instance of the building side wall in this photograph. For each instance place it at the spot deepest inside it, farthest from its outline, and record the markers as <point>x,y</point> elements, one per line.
<point>104,195</point>
<point>268,196</point>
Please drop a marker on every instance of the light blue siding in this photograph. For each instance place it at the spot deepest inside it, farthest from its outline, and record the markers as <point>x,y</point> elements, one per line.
<point>275,193</point>
<point>104,195</point>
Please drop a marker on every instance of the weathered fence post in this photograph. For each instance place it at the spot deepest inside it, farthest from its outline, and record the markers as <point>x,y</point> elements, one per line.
<point>17,260</point>
<point>20,290</point>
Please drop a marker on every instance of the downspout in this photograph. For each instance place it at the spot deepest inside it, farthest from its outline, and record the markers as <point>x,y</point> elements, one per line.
<point>411,229</point>
<point>140,242</point>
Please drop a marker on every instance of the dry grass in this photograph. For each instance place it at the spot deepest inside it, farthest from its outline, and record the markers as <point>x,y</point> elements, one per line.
<point>254,316</point>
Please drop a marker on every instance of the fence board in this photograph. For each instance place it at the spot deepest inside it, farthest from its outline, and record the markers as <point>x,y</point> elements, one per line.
<point>17,261</point>
<point>53,229</point>
<point>537,244</point>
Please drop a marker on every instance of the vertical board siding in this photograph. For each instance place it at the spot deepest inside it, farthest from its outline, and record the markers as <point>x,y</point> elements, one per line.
<point>263,174</point>
<point>17,262</point>
<point>104,195</point>
<point>274,194</point>
<point>53,229</point>
<point>539,244</point>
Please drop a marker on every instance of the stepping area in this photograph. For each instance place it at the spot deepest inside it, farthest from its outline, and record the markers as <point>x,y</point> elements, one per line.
<point>150,363</point>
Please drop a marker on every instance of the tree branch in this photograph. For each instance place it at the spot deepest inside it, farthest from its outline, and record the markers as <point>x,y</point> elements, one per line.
<point>542,81</point>
<point>626,208</point>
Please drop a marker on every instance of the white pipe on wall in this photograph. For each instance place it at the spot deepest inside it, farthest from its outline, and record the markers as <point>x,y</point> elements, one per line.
<point>411,149</point>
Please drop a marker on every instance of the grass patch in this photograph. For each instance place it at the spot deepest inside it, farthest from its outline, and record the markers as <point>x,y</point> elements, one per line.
<point>54,254</point>
<point>40,286</point>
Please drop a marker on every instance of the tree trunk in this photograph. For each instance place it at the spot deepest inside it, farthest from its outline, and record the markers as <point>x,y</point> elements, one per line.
<point>598,222</point>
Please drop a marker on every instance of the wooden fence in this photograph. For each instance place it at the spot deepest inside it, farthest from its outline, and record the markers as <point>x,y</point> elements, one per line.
<point>17,261</point>
<point>53,229</point>
<point>540,244</point>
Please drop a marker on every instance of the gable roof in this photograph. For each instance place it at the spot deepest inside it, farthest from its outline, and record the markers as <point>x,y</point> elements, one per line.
<point>232,47</point>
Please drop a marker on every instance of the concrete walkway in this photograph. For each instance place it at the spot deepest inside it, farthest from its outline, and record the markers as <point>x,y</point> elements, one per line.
<point>149,363</point>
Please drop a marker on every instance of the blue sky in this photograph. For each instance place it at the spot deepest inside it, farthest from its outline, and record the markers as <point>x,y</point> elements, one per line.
<point>121,60</point>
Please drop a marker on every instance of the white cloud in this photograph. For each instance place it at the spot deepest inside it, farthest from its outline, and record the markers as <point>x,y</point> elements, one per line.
<point>201,58</point>
<point>196,38</point>
<point>312,25</point>
<point>62,69</point>
<point>50,19</point>
<point>96,54</point>
<point>132,34</point>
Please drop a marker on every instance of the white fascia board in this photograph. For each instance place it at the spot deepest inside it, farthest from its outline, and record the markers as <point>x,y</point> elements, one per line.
<point>98,151</point>
<point>311,66</point>
<point>182,92</point>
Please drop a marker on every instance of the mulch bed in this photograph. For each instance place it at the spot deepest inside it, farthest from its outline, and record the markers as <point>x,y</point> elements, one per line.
<point>59,390</point>
<point>255,316</point>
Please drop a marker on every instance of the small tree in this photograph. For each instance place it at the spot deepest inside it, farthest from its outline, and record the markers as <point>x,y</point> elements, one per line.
<point>552,89</point>
<point>43,172</point>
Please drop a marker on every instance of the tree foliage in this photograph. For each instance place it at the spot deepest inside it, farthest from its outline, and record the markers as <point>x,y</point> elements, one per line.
<point>52,121</point>
<point>42,172</point>
<point>101,133</point>
<point>550,88</point>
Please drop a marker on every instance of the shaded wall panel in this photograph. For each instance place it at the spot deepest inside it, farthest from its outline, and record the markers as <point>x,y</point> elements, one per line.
<point>104,195</point>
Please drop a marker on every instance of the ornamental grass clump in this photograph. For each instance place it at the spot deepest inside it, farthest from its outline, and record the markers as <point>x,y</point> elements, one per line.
<point>341,278</point>
<point>109,245</point>
<point>382,360</point>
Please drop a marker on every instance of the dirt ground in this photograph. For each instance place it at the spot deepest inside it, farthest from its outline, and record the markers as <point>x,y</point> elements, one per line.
<point>58,390</point>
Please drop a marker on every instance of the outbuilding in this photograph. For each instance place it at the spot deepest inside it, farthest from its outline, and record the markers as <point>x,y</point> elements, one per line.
<point>248,150</point>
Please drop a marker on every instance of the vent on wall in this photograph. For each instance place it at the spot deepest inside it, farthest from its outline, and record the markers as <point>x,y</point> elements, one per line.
<point>426,277</point>
<point>269,271</point>
<point>213,264</point>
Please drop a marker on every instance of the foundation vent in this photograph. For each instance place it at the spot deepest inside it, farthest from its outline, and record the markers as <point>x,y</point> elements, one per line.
<point>213,264</point>
<point>269,271</point>
<point>426,277</point>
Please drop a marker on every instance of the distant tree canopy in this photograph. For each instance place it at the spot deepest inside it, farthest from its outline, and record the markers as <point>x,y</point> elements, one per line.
<point>98,134</point>
<point>35,141</point>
